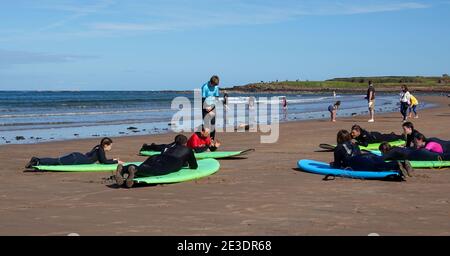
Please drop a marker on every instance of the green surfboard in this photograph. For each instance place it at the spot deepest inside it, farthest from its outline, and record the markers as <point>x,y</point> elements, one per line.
<point>205,155</point>
<point>205,168</point>
<point>81,167</point>
<point>423,164</point>
<point>430,164</point>
<point>369,147</point>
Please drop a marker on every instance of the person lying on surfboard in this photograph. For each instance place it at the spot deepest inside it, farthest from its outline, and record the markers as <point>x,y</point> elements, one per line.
<point>97,154</point>
<point>201,141</point>
<point>364,138</point>
<point>445,144</point>
<point>174,157</point>
<point>421,142</point>
<point>409,132</point>
<point>348,155</point>
<point>390,153</point>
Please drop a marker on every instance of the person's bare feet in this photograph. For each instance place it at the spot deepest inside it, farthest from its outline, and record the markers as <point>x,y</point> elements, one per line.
<point>409,168</point>
<point>131,174</point>
<point>118,175</point>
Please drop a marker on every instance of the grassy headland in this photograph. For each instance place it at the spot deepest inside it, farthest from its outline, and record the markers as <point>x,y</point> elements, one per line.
<point>352,84</point>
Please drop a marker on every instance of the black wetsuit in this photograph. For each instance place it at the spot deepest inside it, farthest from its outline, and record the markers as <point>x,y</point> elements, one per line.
<point>96,154</point>
<point>156,147</point>
<point>173,157</point>
<point>399,153</point>
<point>348,155</point>
<point>410,139</point>
<point>366,138</point>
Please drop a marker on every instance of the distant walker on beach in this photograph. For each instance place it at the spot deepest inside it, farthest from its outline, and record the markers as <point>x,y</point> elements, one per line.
<point>371,100</point>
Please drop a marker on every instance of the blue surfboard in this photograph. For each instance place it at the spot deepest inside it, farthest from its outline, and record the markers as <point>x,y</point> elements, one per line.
<point>325,169</point>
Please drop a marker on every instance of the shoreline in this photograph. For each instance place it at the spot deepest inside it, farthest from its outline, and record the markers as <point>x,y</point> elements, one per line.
<point>262,194</point>
<point>129,129</point>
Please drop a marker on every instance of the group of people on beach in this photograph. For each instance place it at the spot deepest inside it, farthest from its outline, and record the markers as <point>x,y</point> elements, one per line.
<point>408,104</point>
<point>417,147</point>
<point>347,154</point>
<point>173,156</point>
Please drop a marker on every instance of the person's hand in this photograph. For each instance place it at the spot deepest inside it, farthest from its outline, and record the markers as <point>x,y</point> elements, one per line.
<point>208,109</point>
<point>118,161</point>
<point>216,144</point>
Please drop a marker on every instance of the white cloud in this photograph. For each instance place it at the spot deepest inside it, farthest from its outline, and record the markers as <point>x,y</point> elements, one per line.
<point>10,58</point>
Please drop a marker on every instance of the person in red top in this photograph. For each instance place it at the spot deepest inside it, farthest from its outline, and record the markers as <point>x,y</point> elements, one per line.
<point>201,141</point>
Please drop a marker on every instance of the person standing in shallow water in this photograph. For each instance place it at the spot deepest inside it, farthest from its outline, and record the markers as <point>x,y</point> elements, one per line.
<point>210,93</point>
<point>371,101</point>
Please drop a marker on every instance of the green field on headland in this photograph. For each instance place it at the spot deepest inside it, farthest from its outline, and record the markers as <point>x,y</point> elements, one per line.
<point>351,84</point>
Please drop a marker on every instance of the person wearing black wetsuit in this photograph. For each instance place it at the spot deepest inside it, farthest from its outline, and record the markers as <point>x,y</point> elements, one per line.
<point>364,138</point>
<point>172,158</point>
<point>398,153</point>
<point>348,155</point>
<point>97,154</point>
<point>410,133</point>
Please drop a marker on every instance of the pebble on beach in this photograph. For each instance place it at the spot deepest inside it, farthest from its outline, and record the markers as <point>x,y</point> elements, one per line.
<point>76,135</point>
<point>20,138</point>
<point>132,128</point>
<point>121,132</point>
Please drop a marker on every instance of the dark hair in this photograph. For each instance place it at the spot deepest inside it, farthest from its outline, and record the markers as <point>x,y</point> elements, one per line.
<point>420,136</point>
<point>343,136</point>
<point>180,139</point>
<point>356,128</point>
<point>214,80</point>
<point>338,103</point>
<point>370,82</point>
<point>408,125</point>
<point>385,147</point>
<point>405,87</point>
<point>106,142</point>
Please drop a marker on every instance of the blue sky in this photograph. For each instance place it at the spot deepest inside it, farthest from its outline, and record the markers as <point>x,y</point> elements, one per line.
<point>179,44</point>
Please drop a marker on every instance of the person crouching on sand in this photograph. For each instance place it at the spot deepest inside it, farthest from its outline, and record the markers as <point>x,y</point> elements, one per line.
<point>348,156</point>
<point>333,110</point>
<point>97,154</point>
<point>174,157</point>
<point>201,141</point>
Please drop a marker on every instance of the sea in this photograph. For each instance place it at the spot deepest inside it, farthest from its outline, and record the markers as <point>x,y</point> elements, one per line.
<point>40,116</point>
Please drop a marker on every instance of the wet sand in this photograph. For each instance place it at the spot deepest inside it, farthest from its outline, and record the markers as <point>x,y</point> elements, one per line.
<point>260,195</point>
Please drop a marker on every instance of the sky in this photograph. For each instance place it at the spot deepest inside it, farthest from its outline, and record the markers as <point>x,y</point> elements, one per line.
<point>180,44</point>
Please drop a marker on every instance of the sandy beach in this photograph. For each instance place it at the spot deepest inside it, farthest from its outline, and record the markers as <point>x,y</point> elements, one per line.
<point>262,194</point>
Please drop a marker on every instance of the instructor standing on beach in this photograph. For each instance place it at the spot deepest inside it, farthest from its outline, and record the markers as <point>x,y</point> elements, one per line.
<point>210,93</point>
<point>371,101</point>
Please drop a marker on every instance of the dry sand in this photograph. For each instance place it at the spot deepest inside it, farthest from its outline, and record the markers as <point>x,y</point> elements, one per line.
<point>260,195</point>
